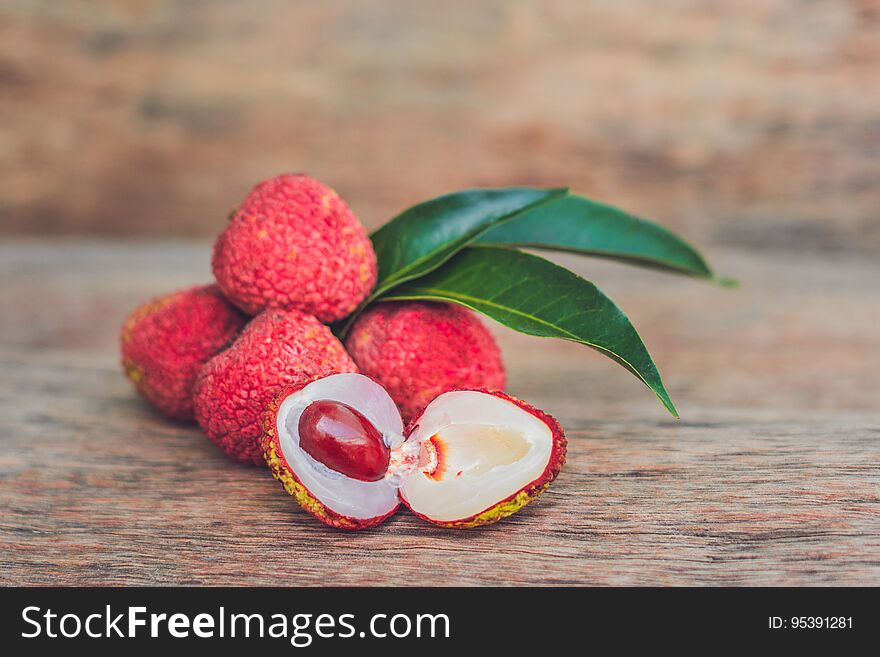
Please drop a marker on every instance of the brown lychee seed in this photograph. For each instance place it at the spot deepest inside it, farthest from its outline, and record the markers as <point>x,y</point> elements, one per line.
<point>470,458</point>
<point>341,438</point>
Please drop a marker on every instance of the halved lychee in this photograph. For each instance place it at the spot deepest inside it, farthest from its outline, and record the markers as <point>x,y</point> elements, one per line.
<point>334,497</point>
<point>470,458</point>
<point>482,456</point>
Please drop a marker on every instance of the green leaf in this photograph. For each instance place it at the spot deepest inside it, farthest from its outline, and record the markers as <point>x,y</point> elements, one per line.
<point>423,237</point>
<point>536,297</point>
<point>426,235</point>
<point>577,224</point>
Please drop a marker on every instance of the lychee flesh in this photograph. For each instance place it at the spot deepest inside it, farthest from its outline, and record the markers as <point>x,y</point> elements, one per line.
<point>330,496</point>
<point>483,455</point>
<point>418,350</point>
<point>167,340</point>
<point>277,348</point>
<point>471,458</point>
<point>294,243</point>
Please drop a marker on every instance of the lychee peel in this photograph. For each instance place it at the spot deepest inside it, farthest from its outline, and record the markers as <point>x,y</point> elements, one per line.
<point>418,350</point>
<point>518,500</point>
<point>294,243</point>
<point>282,471</point>
<point>167,340</point>
<point>277,348</point>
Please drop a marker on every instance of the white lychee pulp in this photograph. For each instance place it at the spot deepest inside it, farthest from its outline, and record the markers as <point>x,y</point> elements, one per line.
<point>349,497</point>
<point>492,449</point>
<point>469,451</point>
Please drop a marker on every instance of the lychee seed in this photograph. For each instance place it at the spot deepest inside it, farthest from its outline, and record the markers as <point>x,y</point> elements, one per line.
<point>341,438</point>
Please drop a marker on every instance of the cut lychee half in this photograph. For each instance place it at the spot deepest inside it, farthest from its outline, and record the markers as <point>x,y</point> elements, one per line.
<point>470,458</point>
<point>481,456</point>
<point>334,497</point>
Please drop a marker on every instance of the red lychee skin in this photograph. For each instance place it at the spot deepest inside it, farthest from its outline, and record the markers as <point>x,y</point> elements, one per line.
<point>166,341</point>
<point>277,348</point>
<point>529,492</point>
<point>294,243</point>
<point>282,471</point>
<point>417,350</point>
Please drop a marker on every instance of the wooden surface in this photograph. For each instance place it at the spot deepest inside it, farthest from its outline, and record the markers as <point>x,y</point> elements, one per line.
<point>742,122</point>
<point>771,477</point>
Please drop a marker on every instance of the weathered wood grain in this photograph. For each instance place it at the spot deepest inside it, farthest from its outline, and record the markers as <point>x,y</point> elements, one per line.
<point>771,477</point>
<point>749,122</point>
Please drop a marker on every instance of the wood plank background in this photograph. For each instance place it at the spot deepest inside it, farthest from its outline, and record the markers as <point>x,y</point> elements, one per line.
<point>748,123</point>
<point>129,128</point>
<point>771,477</point>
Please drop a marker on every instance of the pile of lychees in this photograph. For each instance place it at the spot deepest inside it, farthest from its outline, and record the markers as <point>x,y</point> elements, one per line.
<point>293,259</point>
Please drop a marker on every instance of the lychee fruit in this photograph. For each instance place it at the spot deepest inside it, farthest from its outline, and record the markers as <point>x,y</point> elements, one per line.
<point>470,458</point>
<point>483,455</point>
<point>277,348</point>
<point>418,349</point>
<point>166,341</point>
<point>320,485</point>
<point>294,243</point>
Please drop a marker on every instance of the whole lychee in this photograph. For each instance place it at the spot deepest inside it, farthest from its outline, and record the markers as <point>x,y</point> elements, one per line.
<point>294,243</point>
<point>277,348</point>
<point>417,350</point>
<point>166,341</point>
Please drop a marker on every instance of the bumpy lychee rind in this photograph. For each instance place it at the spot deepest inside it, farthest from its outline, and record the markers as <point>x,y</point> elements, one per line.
<point>530,491</point>
<point>167,340</point>
<point>282,471</point>
<point>277,348</point>
<point>294,243</point>
<point>417,350</point>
